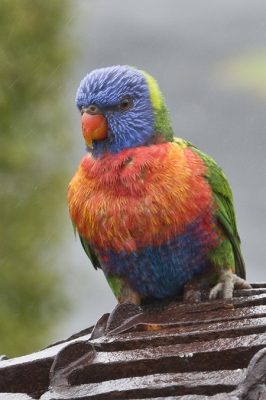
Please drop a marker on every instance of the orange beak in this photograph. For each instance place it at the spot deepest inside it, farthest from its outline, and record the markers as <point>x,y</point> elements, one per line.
<point>94,127</point>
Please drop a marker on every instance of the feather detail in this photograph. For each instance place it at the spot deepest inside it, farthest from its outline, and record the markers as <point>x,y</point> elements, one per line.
<point>151,210</point>
<point>145,195</point>
<point>144,209</point>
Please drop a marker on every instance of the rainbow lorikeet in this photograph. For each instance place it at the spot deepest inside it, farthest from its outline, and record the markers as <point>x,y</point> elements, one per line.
<point>152,211</point>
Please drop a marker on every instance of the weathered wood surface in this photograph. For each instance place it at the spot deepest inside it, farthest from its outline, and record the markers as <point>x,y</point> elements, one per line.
<point>188,350</point>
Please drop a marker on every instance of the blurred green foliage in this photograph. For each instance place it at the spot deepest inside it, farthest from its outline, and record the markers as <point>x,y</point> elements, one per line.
<point>34,60</point>
<point>246,71</point>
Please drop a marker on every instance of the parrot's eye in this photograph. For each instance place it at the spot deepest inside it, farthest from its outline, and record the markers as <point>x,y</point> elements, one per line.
<point>125,104</point>
<point>91,109</point>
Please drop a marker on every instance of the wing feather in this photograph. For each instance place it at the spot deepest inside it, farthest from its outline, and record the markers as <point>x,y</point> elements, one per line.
<point>88,249</point>
<point>224,198</point>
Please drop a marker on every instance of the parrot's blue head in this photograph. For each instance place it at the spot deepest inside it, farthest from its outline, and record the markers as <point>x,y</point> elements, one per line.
<point>121,108</point>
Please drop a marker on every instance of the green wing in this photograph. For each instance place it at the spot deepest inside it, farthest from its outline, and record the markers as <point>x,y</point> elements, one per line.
<point>114,282</point>
<point>224,198</point>
<point>90,253</point>
<point>88,249</point>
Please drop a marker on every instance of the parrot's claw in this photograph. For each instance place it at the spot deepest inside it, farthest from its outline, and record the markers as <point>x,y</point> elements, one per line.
<point>226,284</point>
<point>129,295</point>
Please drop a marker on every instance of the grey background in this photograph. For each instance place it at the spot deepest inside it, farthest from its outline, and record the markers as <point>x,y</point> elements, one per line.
<point>184,45</point>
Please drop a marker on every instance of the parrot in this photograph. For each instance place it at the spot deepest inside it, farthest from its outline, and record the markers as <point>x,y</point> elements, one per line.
<point>151,210</point>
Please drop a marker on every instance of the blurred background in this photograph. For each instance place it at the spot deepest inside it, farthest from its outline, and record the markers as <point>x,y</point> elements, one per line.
<point>209,58</point>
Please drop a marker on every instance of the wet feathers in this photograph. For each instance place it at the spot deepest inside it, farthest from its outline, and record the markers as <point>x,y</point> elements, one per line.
<point>152,211</point>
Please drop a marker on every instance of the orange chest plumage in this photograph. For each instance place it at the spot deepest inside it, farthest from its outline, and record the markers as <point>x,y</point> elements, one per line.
<point>139,197</point>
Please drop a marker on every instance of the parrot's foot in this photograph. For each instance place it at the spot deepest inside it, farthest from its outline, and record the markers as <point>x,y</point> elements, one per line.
<point>226,284</point>
<point>192,291</point>
<point>128,294</point>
